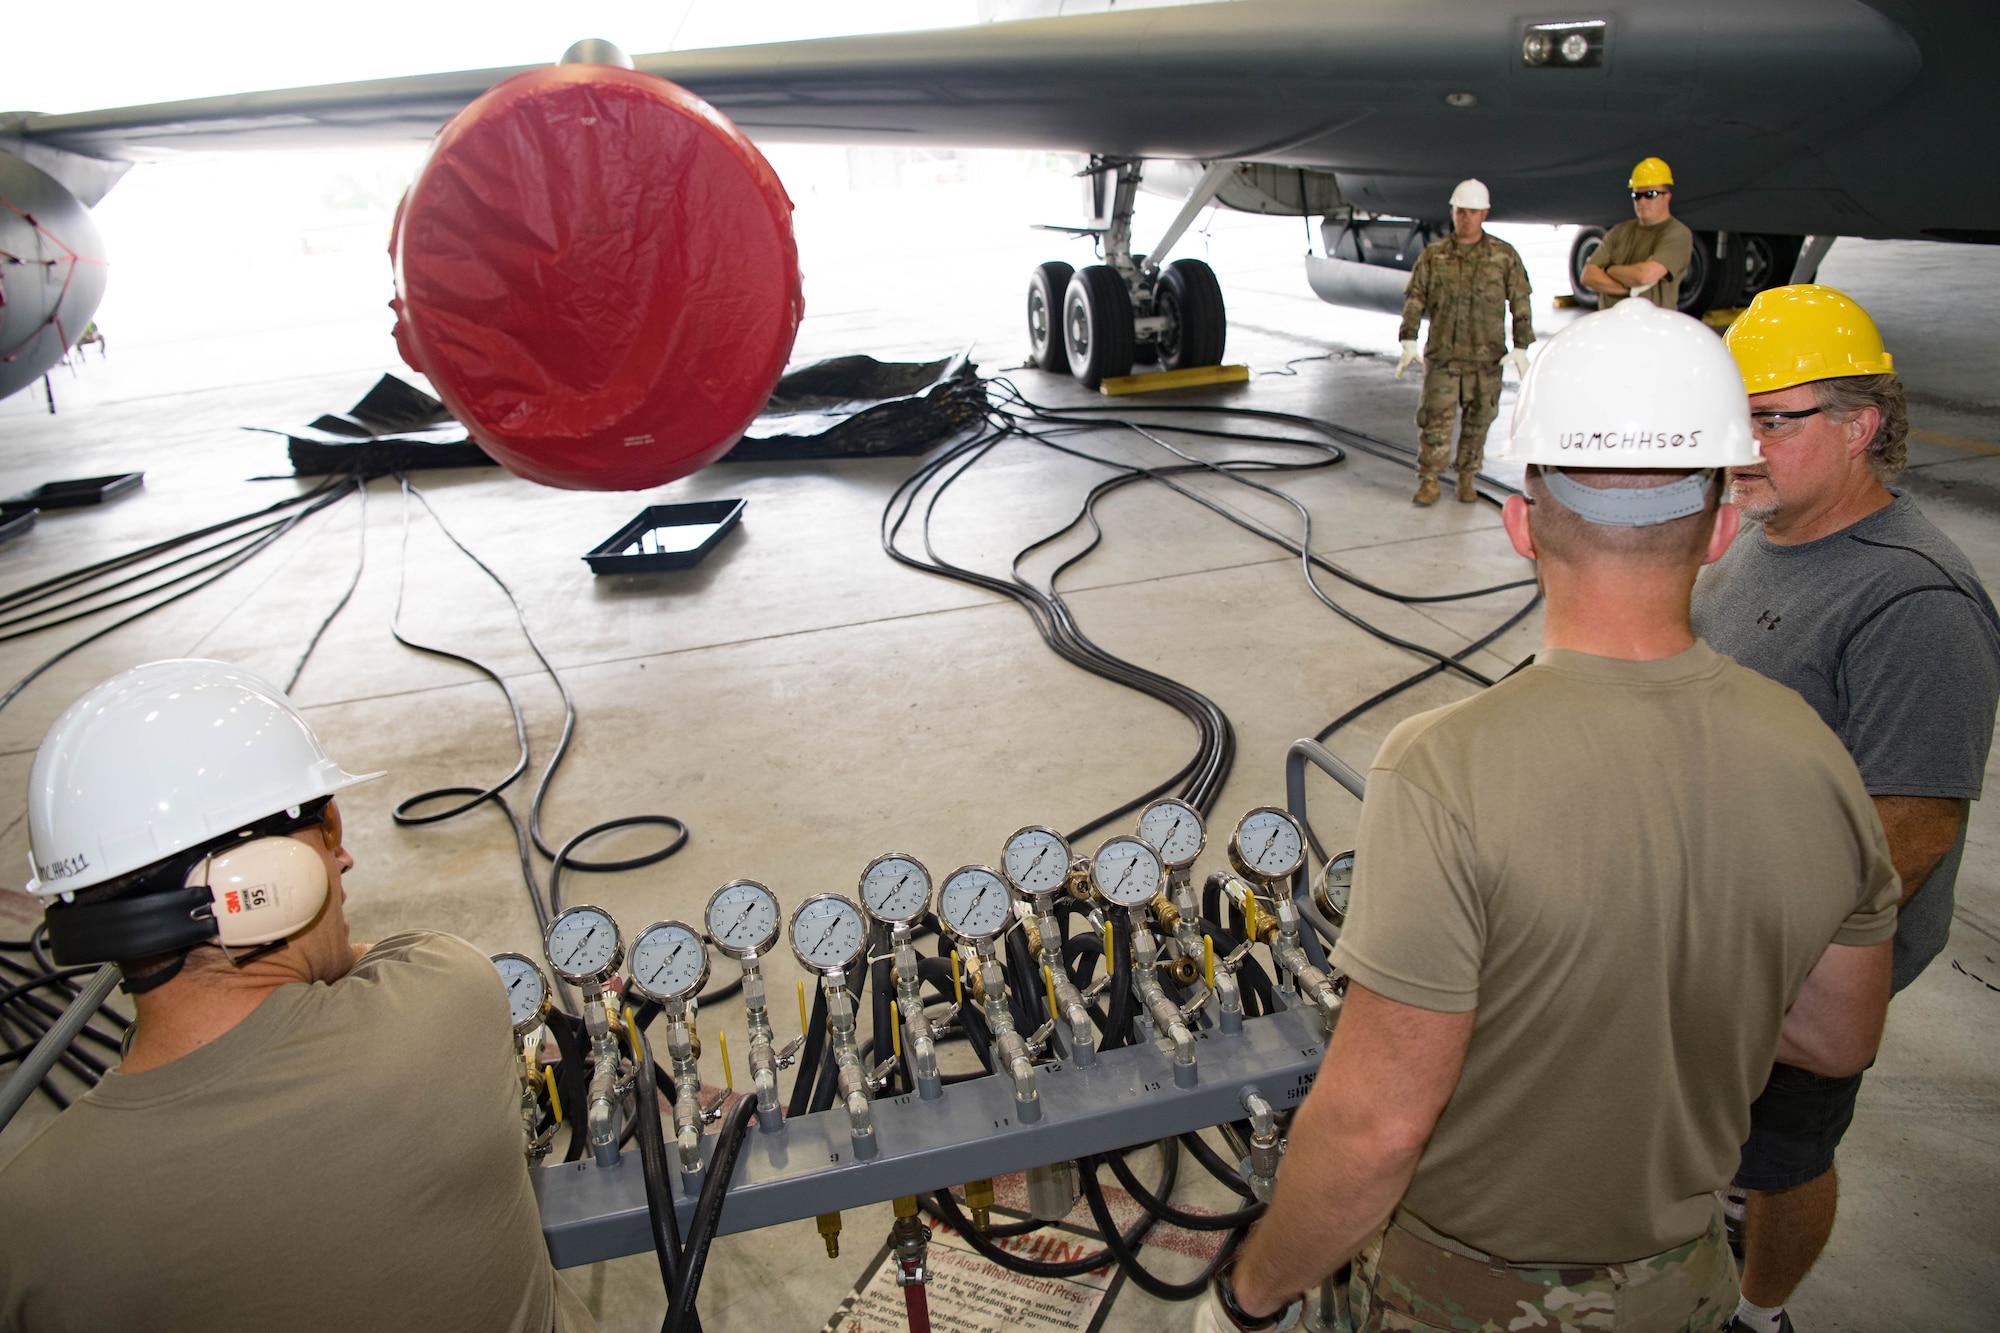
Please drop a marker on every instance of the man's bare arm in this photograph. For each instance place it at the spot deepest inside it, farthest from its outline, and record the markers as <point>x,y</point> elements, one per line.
<point>1598,280</point>
<point>1355,1142</point>
<point>1835,1025</point>
<point>1642,274</point>
<point>1921,830</point>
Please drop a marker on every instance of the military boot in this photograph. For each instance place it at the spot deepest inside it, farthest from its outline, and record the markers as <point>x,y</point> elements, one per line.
<point>1466,493</point>
<point>1427,491</point>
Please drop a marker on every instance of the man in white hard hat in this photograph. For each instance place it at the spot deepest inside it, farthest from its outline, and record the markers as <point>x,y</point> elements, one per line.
<point>1589,905</point>
<point>1465,283</point>
<point>305,1133</point>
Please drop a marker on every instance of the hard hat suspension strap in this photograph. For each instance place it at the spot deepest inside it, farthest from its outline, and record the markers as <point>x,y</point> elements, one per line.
<point>1630,506</point>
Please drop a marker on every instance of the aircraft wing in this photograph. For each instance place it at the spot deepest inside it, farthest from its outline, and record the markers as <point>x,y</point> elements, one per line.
<point>1399,97</point>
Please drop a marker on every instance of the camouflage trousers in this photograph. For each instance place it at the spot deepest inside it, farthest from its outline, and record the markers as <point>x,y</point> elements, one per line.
<point>1405,1284</point>
<point>1469,390</point>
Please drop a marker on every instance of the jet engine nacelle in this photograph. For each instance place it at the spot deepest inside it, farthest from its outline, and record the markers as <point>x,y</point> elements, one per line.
<point>596,270</point>
<point>51,272</point>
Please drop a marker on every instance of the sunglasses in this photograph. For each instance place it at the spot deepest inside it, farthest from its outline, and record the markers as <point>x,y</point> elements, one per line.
<point>1650,194</point>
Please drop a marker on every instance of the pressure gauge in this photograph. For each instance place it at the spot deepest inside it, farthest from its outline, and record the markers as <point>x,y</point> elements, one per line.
<point>1036,860</point>
<point>583,945</point>
<point>669,962</point>
<point>743,919</point>
<point>527,990</point>
<point>827,932</point>
<point>1268,844</point>
<point>1174,828</point>
<point>974,904</point>
<point>1334,883</point>
<point>1126,871</point>
<point>896,889</point>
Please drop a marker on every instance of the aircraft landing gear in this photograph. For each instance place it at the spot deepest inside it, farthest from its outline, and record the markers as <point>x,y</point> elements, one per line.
<point>1097,322</point>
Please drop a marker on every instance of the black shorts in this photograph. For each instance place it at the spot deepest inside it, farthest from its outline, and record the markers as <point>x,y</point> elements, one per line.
<point>1795,1124</point>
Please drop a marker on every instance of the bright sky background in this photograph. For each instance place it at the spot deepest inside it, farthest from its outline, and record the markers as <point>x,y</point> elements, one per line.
<point>131,52</point>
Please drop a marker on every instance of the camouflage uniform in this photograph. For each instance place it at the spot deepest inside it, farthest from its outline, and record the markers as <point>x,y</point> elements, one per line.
<point>1465,289</point>
<point>1405,1283</point>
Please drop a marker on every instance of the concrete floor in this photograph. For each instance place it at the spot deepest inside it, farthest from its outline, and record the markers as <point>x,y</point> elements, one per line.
<point>805,704</point>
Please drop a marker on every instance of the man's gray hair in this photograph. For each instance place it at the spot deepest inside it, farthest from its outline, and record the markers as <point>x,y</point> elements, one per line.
<point>1889,451</point>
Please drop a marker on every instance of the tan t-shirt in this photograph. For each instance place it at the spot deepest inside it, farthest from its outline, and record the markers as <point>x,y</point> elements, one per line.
<point>1627,869</point>
<point>348,1157</point>
<point>1631,242</point>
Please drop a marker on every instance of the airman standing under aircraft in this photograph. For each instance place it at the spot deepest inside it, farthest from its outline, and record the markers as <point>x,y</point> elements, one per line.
<point>1649,255</point>
<point>1465,284</point>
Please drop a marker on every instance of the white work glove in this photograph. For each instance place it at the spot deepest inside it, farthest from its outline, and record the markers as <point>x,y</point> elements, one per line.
<point>1409,355</point>
<point>1641,289</point>
<point>1519,356</point>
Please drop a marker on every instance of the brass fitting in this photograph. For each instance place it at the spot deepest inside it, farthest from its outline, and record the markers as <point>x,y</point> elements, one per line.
<point>1034,936</point>
<point>1182,971</point>
<point>1078,883</point>
<point>1164,912</point>
<point>829,1230</point>
<point>979,1198</point>
<point>906,1206</point>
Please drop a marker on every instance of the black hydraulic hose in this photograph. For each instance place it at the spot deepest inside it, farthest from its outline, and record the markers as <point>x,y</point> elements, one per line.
<point>660,1213</point>
<point>886,1015</point>
<point>945,1208</point>
<point>573,1079</point>
<point>1031,1006</point>
<point>1128,1257</point>
<point>708,1215</point>
<point>1173,1216</point>
<point>809,1057</point>
<point>1212,1163</point>
<point>1118,1023</point>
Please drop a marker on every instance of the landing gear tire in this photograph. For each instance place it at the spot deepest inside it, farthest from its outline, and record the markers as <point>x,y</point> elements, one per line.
<point>1197,324</point>
<point>1712,282</point>
<point>1581,251</point>
<point>1097,325</point>
<point>1046,287</point>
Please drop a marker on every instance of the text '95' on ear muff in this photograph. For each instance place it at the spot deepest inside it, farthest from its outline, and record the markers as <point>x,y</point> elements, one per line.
<point>265,889</point>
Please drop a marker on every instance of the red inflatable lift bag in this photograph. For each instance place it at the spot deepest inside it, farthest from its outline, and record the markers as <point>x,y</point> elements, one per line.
<point>596,270</point>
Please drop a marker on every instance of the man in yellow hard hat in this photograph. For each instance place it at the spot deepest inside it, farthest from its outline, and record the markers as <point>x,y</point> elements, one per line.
<point>1849,595</point>
<point>1649,255</point>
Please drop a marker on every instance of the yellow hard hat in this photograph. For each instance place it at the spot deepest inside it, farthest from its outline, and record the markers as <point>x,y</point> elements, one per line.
<point>1794,335</point>
<point>1650,175</point>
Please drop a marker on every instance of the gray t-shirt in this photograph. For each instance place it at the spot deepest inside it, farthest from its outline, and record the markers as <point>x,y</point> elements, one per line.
<point>1885,630</point>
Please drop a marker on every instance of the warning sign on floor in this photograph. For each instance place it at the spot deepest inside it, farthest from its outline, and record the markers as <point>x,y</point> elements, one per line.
<point>970,1294</point>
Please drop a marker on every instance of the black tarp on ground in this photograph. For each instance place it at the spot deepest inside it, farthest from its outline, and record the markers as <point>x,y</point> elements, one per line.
<point>843,407</point>
<point>858,407</point>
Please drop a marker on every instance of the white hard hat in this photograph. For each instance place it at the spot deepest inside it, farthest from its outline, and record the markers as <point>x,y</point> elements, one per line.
<point>1471,194</point>
<point>1634,386</point>
<point>163,758</point>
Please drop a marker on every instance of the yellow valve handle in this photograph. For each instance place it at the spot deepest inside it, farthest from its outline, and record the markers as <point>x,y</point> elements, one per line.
<point>896,1034</point>
<point>1208,960</point>
<point>802,1007</point>
<point>555,1102</point>
<point>1110,951</point>
<point>1049,980</point>
<point>957,980</point>
<point>728,1075</point>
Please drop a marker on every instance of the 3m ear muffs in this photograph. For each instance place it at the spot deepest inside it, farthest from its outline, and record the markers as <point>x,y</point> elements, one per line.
<point>262,890</point>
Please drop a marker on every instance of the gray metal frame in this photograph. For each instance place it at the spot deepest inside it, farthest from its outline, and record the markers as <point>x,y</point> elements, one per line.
<point>807,1167</point>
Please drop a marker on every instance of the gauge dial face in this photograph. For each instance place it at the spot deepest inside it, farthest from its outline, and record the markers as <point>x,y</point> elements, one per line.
<point>583,945</point>
<point>527,990</point>
<point>1126,871</point>
<point>669,962</point>
<point>896,889</point>
<point>1335,886</point>
<point>974,904</point>
<point>827,932</point>
<point>743,918</point>
<point>1174,828</point>
<point>1269,843</point>
<point>1036,860</point>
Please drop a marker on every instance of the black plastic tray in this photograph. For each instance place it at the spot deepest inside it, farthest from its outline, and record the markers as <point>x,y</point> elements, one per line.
<point>78,492</point>
<point>16,521</point>
<point>705,522</point>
